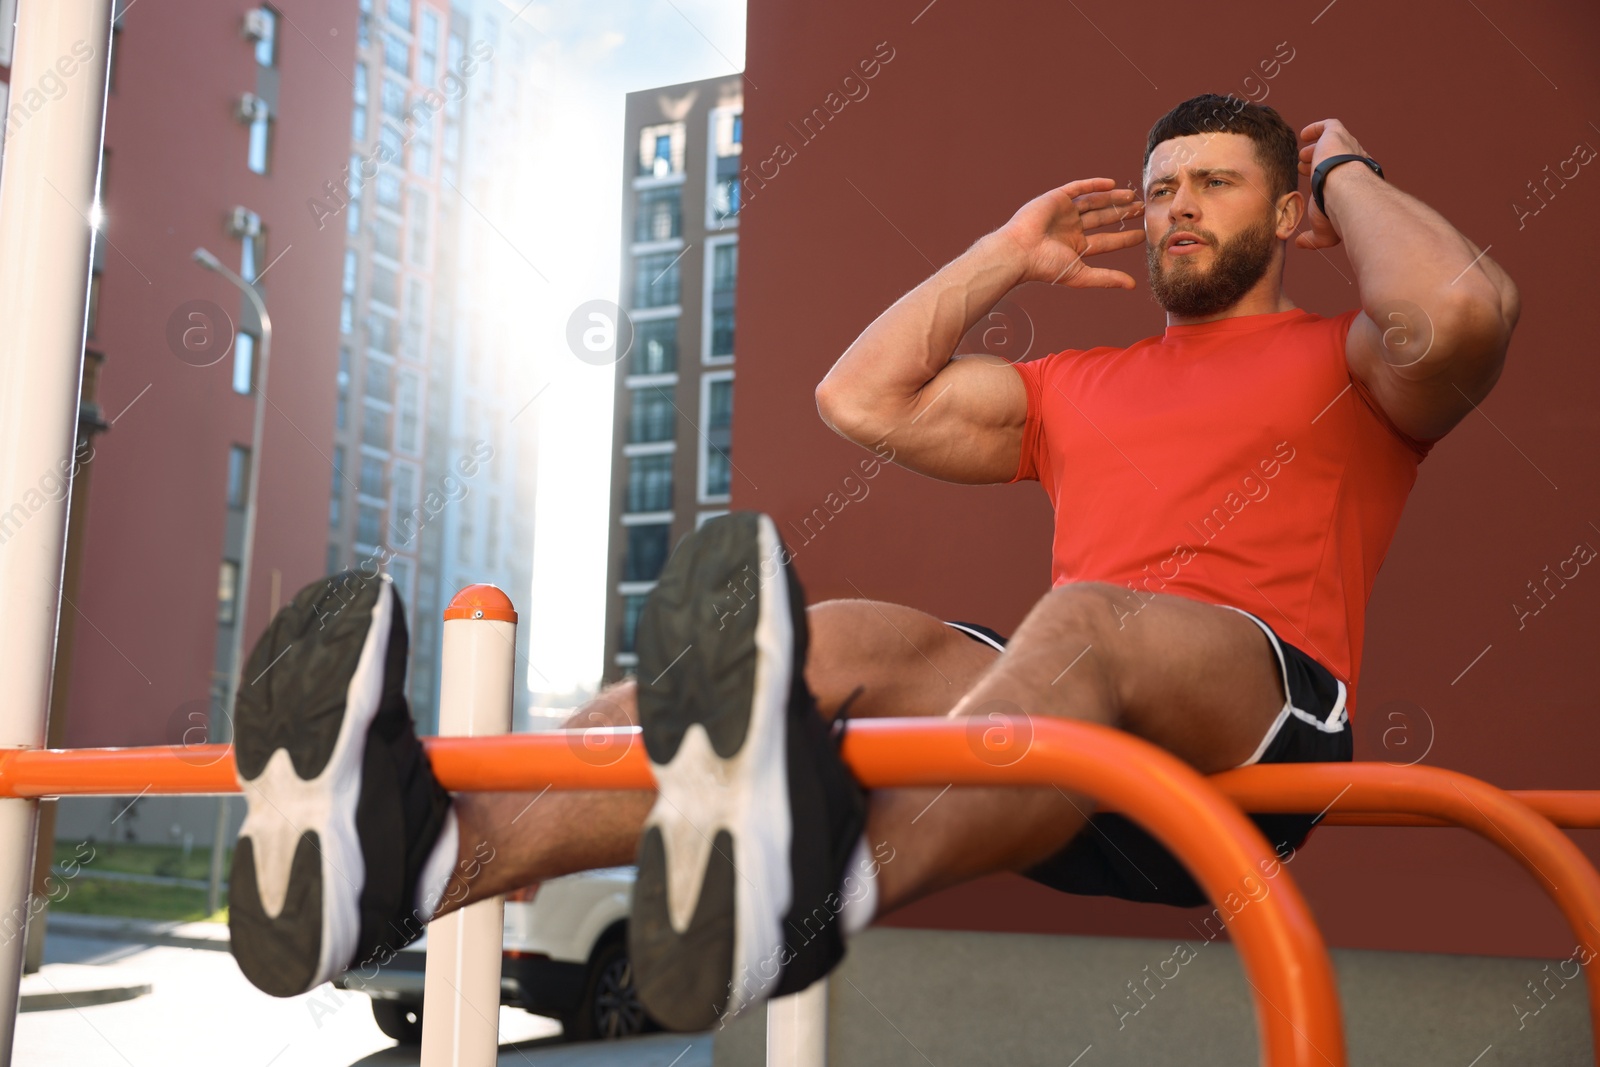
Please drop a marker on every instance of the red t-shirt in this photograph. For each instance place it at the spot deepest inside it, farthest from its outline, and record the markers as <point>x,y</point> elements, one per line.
<point>1234,462</point>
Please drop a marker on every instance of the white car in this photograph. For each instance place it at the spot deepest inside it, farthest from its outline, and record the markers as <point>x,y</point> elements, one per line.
<point>565,956</point>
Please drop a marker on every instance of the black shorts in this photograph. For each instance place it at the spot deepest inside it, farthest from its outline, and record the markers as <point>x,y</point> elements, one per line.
<point>1115,857</point>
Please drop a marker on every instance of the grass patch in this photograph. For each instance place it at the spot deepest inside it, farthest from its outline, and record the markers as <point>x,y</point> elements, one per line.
<point>167,860</point>
<point>133,900</point>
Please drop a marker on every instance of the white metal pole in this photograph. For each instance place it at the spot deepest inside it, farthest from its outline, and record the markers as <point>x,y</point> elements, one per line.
<point>47,195</point>
<point>797,1028</point>
<point>461,990</point>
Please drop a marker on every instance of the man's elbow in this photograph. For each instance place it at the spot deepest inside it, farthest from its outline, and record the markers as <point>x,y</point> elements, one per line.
<point>841,411</point>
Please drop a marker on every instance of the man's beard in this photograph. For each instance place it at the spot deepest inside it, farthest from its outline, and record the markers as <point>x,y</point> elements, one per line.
<point>1191,291</point>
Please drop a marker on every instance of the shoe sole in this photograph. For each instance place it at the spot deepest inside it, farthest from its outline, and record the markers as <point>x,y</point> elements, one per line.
<point>715,662</point>
<point>299,741</point>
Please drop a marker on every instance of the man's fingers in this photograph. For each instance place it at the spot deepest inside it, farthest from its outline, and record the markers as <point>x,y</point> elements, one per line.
<point>1097,243</point>
<point>1099,278</point>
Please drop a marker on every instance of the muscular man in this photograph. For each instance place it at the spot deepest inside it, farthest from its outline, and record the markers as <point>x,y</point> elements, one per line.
<point>1224,495</point>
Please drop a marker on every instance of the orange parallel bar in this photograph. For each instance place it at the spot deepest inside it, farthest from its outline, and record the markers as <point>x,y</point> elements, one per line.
<point>1298,1018</point>
<point>1549,855</point>
<point>191,769</point>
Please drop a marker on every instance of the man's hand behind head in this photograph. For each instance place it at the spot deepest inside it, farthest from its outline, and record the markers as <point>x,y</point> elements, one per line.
<point>1050,233</point>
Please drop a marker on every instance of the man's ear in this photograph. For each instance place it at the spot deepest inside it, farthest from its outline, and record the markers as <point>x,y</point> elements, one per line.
<point>1291,209</point>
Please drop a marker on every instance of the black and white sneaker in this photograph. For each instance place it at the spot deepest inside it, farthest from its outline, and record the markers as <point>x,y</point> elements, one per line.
<point>343,807</point>
<point>756,815</point>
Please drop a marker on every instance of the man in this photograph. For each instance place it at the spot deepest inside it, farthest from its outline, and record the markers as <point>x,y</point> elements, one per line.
<point>1224,496</point>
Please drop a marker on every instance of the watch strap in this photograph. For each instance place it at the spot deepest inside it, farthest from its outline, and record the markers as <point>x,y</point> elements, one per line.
<point>1320,174</point>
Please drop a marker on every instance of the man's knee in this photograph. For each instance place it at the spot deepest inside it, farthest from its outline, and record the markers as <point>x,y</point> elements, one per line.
<point>1095,609</point>
<point>862,634</point>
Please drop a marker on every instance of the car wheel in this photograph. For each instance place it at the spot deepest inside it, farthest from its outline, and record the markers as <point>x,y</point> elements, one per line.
<point>399,1020</point>
<point>610,1007</point>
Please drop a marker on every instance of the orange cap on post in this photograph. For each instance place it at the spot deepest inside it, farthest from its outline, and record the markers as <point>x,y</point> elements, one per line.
<point>481,602</point>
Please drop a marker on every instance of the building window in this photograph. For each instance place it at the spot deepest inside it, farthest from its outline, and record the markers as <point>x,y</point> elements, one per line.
<point>416,329</point>
<point>244,362</point>
<point>380,333</point>
<point>428,45</point>
<point>396,55</point>
<point>419,228</point>
<point>717,440</point>
<point>371,481</point>
<point>404,523</point>
<point>724,273</point>
<point>265,29</point>
<point>408,406</point>
<point>385,285</point>
<point>238,475</point>
<point>375,428</point>
<point>652,417</point>
<point>650,483</point>
<point>369,525</point>
<point>661,150</point>
<point>227,592</point>
<point>422,146</point>
<point>334,556</point>
<point>386,238</point>
<point>632,608</point>
<point>380,383</point>
<point>394,99</point>
<point>399,12</point>
<point>727,135</point>
<point>725,198</point>
<point>342,382</point>
<point>722,334</point>
<point>260,139</point>
<point>388,186</point>
<point>647,551</point>
<point>358,116</point>
<point>660,215</point>
<point>724,268</point>
<point>655,280</point>
<point>655,347</point>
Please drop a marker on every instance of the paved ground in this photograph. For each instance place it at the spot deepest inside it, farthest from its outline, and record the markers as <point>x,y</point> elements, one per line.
<point>202,1012</point>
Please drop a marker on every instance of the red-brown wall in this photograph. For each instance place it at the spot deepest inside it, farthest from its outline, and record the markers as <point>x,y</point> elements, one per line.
<point>980,109</point>
<point>146,618</point>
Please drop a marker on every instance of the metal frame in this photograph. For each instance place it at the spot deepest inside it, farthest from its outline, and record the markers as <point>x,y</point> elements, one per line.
<point>52,171</point>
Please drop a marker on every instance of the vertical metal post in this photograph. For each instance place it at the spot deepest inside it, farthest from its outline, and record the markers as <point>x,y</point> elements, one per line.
<point>50,185</point>
<point>461,992</point>
<point>222,728</point>
<point>797,1028</point>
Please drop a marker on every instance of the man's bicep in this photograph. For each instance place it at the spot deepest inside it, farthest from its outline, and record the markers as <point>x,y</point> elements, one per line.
<point>1418,408</point>
<point>967,423</point>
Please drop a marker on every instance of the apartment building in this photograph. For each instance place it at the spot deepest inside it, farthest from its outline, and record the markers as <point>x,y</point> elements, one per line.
<point>672,465</point>
<point>432,478</point>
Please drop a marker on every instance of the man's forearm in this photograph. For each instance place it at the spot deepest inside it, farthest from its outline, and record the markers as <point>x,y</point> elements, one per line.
<point>1405,251</point>
<point>912,341</point>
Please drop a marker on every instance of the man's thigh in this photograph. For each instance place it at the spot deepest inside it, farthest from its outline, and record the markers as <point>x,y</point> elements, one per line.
<point>1200,680</point>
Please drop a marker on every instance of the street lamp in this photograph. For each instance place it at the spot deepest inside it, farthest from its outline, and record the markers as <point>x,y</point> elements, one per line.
<point>242,593</point>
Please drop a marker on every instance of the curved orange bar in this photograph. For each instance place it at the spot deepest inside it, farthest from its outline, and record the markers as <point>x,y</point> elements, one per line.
<point>1458,799</point>
<point>1297,1006</point>
<point>179,770</point>
<point>1297,1011</point>
<point>481,602</point>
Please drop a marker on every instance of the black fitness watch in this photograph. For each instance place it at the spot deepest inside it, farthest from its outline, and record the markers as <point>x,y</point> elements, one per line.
<point>1320,175</point>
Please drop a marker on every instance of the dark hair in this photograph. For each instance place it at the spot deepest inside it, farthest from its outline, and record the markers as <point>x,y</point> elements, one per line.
<point>1277,148</point>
